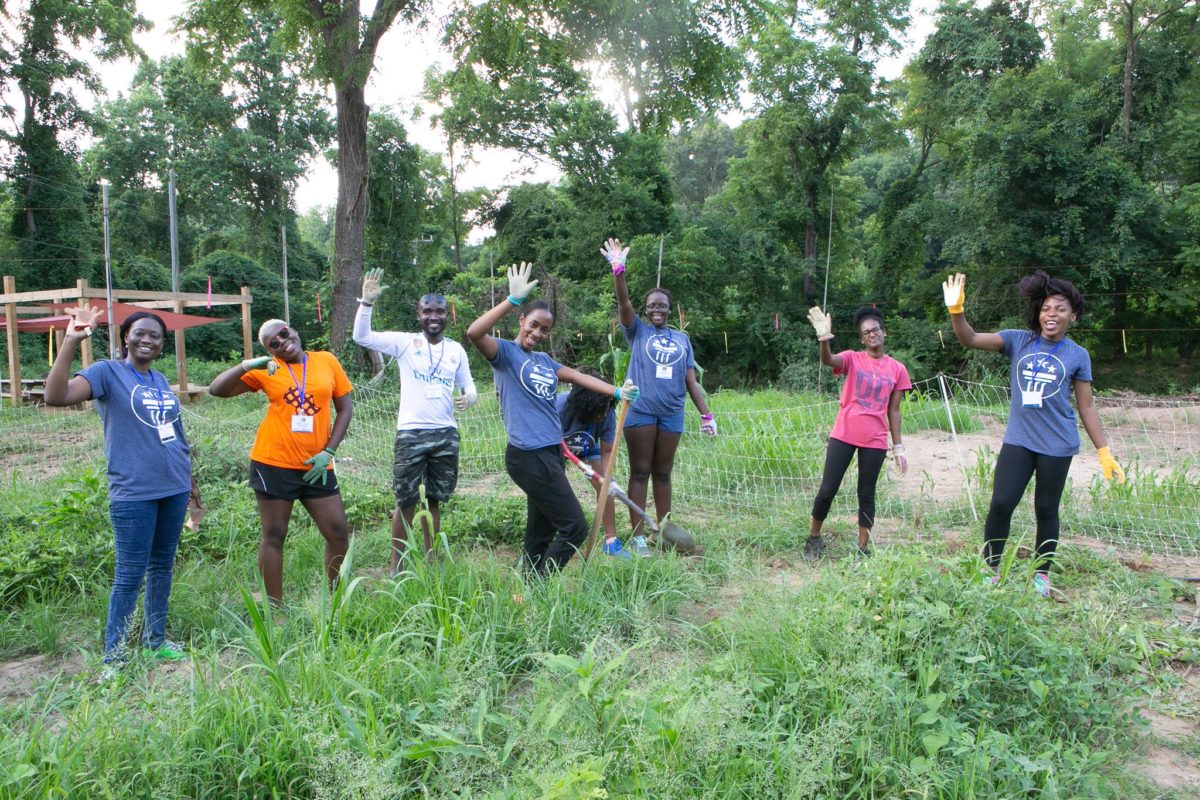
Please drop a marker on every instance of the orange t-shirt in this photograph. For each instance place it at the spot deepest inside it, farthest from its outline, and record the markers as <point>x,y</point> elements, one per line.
<point>323,379</point>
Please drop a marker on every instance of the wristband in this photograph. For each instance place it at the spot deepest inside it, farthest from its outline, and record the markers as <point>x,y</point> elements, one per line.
<point>706,417</point>
<point>328,450</point>
<point>364,303</point>
<point>618,268</point>
<point>516,301</point>
<point>898,448</point>
<point>826,338</point>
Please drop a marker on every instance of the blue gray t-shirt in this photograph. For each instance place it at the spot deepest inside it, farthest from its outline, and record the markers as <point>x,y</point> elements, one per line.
<point>132,406</point>
<point>527,382</point>
<point>1043,372</point>
<point>584,438</point>
<point>659,359</point>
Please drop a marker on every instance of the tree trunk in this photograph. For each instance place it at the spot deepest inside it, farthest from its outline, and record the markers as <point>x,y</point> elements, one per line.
<point>350,220</point>
<point>1130,44</point>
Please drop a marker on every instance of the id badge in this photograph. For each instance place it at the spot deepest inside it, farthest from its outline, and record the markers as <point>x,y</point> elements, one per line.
<point>664,372</point>
<point>166,433</point>
<point>302,423</point>
<point>1032,398</point>
<point>433,393</point>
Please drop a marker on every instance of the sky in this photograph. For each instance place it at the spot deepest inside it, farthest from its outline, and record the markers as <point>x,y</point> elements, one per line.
<point>396,82</point>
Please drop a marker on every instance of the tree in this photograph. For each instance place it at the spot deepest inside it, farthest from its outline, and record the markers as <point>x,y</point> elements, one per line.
<point>52,220</point>
<point>339,44</point>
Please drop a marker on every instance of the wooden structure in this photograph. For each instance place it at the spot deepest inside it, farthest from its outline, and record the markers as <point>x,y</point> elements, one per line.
<point>18,304</point>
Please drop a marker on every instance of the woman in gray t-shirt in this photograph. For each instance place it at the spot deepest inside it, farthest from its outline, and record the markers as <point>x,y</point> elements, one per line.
<point>1042,436</point>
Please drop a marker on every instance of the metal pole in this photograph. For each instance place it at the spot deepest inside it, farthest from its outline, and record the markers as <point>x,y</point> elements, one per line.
<point>174,231</point>
<point>658,280</point>
<point>957,447</point>
<point>492,268</point>
<point>112,321</point>
<point>828,253</point>
<point>287,312</point>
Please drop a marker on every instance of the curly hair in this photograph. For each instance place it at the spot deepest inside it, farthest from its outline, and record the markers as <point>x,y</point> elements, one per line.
<point>585,406</point>
<point>1037,287</point>
<point>866,312</point>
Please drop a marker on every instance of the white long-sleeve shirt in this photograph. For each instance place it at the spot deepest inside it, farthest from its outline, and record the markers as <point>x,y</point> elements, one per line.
<point>428,373</point>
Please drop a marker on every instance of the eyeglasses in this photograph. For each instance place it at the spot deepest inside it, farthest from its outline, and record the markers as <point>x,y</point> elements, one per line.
<point>657,307</point>
<point>279,339</point>
<point>871,332</point>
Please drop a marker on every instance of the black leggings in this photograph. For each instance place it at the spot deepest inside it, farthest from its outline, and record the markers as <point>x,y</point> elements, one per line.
<point>1014,468</point>
<point>556,526</point>
<point>837,461</point>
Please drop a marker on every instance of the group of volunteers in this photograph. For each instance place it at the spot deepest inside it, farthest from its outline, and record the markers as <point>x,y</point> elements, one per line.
<point>310,408</point>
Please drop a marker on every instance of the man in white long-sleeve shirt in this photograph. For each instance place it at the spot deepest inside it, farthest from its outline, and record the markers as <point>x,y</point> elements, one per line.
<point>427,441</point>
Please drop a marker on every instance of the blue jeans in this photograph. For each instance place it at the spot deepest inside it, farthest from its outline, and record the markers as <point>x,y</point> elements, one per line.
<point>146,534</point>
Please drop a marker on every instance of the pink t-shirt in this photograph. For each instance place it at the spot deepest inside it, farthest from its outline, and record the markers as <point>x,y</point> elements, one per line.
<point>862,413</point>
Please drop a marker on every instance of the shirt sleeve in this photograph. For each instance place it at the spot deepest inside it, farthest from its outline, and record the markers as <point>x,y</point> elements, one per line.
<point>691,355</point>
<point>97,375</point>
<point>1010,342</point>
<point>847,357</point>
<point>253,379</point>
<point>341,384</point>
<point>390,343</point>
<point>630,331</point>
<point>462,376</point>
<point>608,428</point>
<point>1084,371</point>
<point>903,383</point>
<point>501,359</point>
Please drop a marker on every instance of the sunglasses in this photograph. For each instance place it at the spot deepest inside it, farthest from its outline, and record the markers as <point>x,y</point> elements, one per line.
<point>279,339</point>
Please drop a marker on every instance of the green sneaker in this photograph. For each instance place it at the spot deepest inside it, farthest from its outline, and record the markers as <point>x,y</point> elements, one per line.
<point>167,651</point>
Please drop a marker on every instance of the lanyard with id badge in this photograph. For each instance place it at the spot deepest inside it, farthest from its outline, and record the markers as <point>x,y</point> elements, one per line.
<point>1033,391</point>
<point>434,391</point>
<point>156,402</point>
<point>301,422</point>
<point>664,372</point>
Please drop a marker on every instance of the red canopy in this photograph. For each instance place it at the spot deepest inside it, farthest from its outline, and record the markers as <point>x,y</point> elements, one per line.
<point>121,311</point>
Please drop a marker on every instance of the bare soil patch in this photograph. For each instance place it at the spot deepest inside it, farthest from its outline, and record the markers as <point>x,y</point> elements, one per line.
<point>1170,769</point>
<point>20,677</point>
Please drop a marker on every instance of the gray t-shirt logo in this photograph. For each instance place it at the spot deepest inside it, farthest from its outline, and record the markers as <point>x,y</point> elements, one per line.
<point>539,380</point>
<point>153,407</point>
<point>663,349</point>
<point>1041,374</point>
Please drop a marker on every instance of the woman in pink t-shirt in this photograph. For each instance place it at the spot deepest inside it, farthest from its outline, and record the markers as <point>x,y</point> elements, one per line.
<point>869,408</point>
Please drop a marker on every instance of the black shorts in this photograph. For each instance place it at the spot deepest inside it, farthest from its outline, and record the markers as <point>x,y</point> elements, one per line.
<point>277,483</point>
<point>428,456</point>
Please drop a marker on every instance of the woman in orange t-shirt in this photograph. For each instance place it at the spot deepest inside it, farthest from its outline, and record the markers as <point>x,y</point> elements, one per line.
<point>292,457</point>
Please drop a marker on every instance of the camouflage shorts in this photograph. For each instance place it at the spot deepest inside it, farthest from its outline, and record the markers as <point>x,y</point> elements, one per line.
<point>425,456</point>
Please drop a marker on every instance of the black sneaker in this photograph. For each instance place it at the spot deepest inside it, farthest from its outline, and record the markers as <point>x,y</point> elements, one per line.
<point>813,547</point>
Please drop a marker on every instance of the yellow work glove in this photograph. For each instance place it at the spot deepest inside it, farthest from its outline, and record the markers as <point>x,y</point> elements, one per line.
<point>1109,465</point>
<point>954,290</point>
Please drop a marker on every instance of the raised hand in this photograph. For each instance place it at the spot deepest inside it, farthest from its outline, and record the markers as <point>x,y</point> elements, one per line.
<point>822,323</point>
<point>83,320</point>
<point>372,286</point>
<point>519,285</point>
<point>954,289</point>
<point>615,255</point>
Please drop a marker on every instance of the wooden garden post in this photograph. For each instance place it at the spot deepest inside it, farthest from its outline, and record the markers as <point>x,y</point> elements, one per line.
<point>181,358</point>
<point>14,348</point>
<point>85,347</point>
<point>247,352</point>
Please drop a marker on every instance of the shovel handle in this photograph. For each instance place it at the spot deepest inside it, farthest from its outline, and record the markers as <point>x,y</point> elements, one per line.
<point>602,495</point>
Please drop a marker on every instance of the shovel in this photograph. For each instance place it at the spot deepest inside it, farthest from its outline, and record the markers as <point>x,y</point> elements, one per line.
<point>668,534</point>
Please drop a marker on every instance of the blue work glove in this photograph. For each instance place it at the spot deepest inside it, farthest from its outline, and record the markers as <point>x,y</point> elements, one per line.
<point>629,393</point>
<point>320,467</point>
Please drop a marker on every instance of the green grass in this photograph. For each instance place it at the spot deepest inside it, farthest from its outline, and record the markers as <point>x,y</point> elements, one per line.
<point>746,674</point>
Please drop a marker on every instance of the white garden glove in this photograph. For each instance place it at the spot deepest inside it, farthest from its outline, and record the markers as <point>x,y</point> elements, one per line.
<point>372,286</point>
<point>519,285</point>
<point>955,292</point>
<point>822,323</point>
<point>901,460</point>
<point>615,255</point>
<point>464,401</point>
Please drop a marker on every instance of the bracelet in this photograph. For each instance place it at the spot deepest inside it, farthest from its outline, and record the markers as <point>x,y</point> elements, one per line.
<point>364,303</point>
<point>516,301</point>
